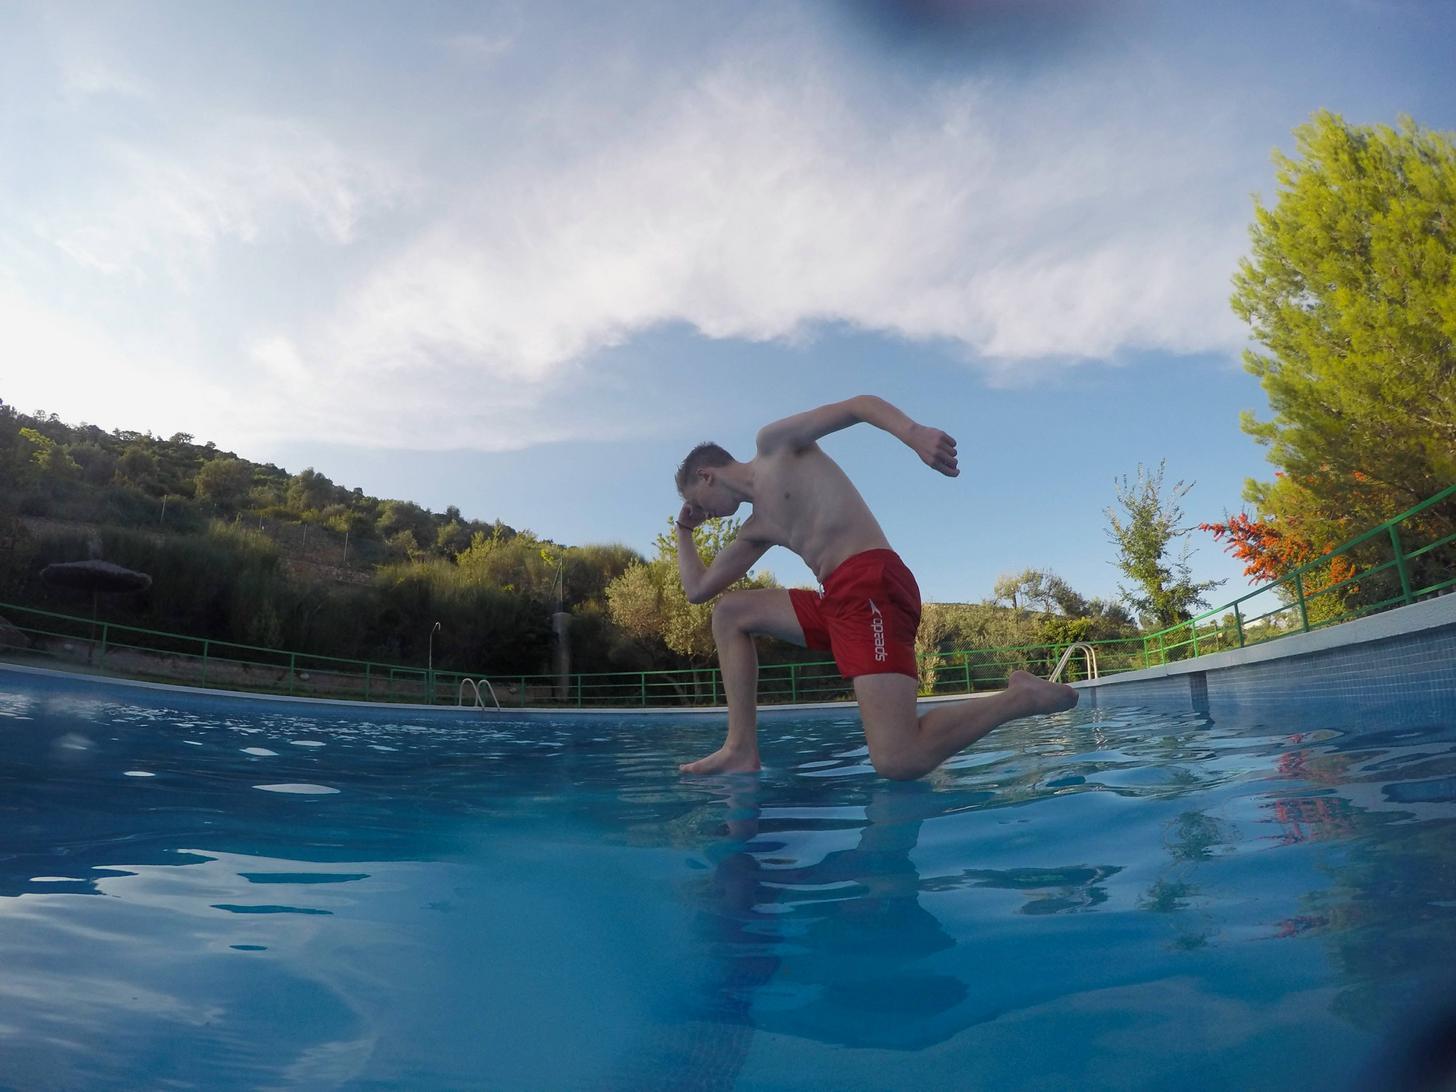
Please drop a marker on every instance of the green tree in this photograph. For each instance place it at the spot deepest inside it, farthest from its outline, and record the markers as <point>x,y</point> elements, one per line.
<point>402,544</point>
<point>309,491</point>
<point>225,481</point>
<point>97,464</point>
<point>1041,590</point>
<point>590,569</point>
<point>50,458</point>
<point>648,601</point>
<point>396,516</point>
<point>519,562</point>
<point>137,466</point>
<point>452,538</point>
<point>1044,590</point>
<point>344,520</point>
<point>14,464</point>
<point>1163,592</point>
<point>1351,290</point>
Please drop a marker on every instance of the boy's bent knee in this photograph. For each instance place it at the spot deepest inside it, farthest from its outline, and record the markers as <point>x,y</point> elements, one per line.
<point>898,767</point>
<point>729,614</point>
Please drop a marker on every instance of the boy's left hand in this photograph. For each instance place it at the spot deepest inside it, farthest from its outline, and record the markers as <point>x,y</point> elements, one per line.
<point>936,449</point>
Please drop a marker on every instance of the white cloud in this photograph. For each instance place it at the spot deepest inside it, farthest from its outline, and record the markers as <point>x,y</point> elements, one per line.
<point>756,204</point>
<point>160,208</point>
<point>57,361</point>
<point>478,47</point>
<point>753,194</point>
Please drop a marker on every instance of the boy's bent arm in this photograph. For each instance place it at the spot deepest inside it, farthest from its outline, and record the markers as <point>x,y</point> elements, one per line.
<point>701,583</point>
<point>936,449</point>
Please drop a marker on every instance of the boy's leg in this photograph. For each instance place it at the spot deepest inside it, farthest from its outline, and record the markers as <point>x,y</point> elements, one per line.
<point>905,746</point>
<point>736,619</point>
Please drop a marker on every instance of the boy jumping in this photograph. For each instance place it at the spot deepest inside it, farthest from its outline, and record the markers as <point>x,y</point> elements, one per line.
<point>869,609</point>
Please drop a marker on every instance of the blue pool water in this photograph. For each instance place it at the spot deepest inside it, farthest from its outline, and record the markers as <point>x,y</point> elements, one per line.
<point>205,893</point>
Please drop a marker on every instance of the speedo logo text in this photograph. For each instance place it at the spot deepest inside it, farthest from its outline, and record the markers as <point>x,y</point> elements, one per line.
<point>877,631</point>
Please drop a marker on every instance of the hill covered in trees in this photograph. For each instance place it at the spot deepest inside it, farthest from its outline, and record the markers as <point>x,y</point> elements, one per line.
<point>247,552</point>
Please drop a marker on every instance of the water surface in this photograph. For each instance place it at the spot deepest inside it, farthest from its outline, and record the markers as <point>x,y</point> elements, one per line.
<point>209,894</point>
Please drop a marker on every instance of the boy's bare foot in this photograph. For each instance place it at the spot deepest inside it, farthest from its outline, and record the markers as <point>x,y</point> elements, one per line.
<point>723,761</point>
<point>1044,696</point>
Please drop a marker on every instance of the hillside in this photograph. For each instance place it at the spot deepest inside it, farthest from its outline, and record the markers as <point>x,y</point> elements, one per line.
<point>87,477</point>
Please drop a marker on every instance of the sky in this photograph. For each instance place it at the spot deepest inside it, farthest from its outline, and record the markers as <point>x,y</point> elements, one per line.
<point>520,257</point>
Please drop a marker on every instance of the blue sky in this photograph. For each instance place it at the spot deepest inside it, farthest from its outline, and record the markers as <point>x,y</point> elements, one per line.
<point>519,257</point>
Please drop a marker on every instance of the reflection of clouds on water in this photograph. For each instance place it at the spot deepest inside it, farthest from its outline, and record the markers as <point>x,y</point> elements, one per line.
<point>137,995</point>
<point>1046,890</point>
<point>300,789</point>
<point>78,707</point>
<point>17,706</point>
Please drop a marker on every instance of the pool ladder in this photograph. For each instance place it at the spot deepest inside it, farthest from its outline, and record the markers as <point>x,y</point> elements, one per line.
<point>479,702</point>
<point>1089,655</point>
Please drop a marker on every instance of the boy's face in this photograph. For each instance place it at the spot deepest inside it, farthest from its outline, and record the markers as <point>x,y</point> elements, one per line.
<point>709,496</point>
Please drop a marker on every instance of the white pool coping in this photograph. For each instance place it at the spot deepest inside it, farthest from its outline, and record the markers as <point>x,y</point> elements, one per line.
<point>1436,613</point>
<point>527,711</point>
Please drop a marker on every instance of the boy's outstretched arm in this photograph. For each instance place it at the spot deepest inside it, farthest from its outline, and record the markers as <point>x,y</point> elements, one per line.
<point>936,449</point>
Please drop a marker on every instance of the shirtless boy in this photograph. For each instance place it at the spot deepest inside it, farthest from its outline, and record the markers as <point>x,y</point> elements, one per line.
<point>870,606</point>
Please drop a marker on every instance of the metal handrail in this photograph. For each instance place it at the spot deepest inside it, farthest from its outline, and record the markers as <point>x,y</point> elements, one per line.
<point>1399,561</point>
<point>475,689</point>
<point>1089,656</point>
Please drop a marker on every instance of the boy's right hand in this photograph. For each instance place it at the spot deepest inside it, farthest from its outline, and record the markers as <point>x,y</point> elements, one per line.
<point>690,517</point>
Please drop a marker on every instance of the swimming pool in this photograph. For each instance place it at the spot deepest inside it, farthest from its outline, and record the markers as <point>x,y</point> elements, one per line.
<point>218,893</point>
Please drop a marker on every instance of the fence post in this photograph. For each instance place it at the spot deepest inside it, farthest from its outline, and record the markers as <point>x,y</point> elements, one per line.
<point>793,682</point>
<point>204,663</point>
<point>1400,566</point>
<point>1239,624</point>
<point>292,667</point>
<point>1299,593</point>
<point>1146,661</point>
<point>101,657</point>
<point>366,680</point>
<point>642,679</point>
<point>1193,624</point>
<point>966,669</point>
<point>521,693</point>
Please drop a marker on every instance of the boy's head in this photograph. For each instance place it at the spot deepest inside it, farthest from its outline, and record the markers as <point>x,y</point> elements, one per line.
<point>698,484</point>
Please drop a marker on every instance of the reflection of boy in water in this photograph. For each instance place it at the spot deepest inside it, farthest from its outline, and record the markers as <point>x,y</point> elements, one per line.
<point>856,955</point>
<point>869,610</point>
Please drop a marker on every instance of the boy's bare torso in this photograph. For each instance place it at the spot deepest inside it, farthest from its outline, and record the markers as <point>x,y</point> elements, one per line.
<point>803,500</point>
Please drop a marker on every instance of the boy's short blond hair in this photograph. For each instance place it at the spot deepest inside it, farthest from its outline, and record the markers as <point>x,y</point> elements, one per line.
<point>704,455</point>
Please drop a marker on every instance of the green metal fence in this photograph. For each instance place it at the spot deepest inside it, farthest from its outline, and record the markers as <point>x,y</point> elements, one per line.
<point>1398,568</point>
<point>1394,564</point>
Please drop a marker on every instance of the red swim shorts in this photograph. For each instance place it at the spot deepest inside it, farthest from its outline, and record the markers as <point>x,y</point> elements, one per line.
<point>867,615</point>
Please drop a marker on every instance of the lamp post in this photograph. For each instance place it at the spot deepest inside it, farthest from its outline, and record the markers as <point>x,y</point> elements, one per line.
<point>430,664</point>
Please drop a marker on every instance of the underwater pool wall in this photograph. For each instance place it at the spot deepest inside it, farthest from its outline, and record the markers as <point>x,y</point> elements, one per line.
<point>1398,666</point>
